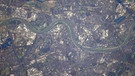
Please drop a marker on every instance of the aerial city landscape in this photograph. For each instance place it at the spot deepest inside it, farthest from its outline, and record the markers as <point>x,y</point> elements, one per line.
<point>67,38</point>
